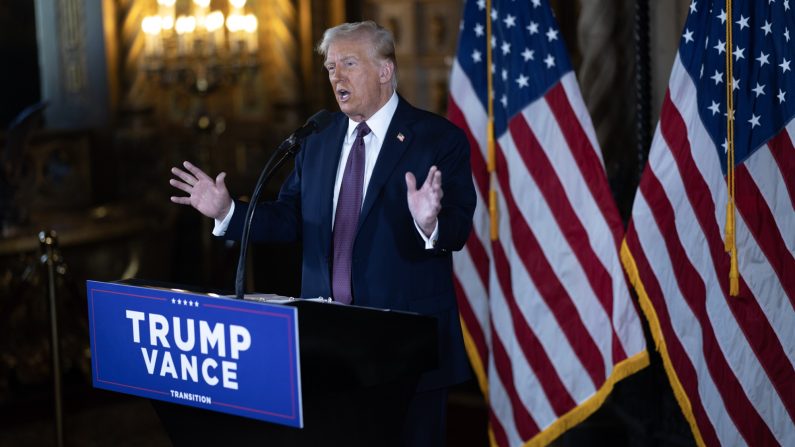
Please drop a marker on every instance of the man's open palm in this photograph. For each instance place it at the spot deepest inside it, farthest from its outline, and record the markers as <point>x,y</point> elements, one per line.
<point>426,202</point>
<point>210,197</point>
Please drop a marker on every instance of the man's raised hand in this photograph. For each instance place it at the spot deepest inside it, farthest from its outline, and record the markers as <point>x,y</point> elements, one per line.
<point>426,202</point>
<point>210,197</point>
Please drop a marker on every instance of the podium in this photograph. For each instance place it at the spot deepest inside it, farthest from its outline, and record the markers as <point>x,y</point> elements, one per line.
<point>343,375</point>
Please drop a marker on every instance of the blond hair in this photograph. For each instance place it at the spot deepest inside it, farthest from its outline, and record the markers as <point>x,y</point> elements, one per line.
<point>382,39</point>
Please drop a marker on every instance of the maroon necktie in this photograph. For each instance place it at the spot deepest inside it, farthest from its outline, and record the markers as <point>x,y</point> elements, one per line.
<point>349,204</point>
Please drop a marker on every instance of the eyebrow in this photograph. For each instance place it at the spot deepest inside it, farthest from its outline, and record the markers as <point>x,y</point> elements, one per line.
<point>342,59</point>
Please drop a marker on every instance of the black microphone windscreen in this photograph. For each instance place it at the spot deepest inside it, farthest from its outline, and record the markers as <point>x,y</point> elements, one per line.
<point>320,120</point>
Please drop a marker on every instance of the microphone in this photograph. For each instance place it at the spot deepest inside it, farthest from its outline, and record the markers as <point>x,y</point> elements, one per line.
<point>315,123</point>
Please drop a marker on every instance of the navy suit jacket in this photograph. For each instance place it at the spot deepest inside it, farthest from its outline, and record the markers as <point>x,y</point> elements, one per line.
<point>391,269</point>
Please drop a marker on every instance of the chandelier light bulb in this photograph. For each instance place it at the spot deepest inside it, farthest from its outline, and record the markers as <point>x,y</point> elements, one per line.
<point>151,25</point>
<point>238,4</point>
<point>167,22</point>
<point>234,23</point>
<point>185,24</point>
<point>249,23</point>
<point>214,21</point>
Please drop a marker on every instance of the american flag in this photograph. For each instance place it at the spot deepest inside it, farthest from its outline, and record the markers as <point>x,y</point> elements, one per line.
<point>729,358</point>
<point>548,319</point>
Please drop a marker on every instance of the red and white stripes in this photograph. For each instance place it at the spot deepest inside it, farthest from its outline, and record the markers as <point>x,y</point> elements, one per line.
<point>731,359</point>
<point>549,320</point>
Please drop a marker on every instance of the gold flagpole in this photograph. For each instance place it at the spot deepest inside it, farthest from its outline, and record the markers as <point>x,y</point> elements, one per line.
<point>730,243</point>
<point>492,161</point>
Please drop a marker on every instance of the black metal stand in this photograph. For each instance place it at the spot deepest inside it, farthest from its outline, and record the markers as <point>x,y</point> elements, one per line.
<point>642,84</point>
<point>50,256</point>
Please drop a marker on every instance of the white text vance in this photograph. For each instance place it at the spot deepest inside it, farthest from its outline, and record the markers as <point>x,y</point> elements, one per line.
<point>219,348</point>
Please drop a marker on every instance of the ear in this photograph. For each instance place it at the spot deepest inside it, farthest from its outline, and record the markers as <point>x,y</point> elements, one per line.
<point>386,71</point>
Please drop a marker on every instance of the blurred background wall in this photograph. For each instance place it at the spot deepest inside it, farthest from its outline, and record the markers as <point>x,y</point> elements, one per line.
<point>99,98</point>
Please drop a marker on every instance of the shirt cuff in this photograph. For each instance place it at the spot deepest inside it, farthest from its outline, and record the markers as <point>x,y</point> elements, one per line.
<point>430,242</point>
<point>222,225</point>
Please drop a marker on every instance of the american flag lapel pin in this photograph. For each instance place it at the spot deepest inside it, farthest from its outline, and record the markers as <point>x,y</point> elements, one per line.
<point>400,137</point>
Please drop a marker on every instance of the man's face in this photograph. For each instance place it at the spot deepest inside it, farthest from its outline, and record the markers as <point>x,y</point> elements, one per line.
<point>361,83</point>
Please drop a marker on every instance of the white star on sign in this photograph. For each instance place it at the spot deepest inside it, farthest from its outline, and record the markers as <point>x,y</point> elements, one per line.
<point>533,28</point>
<point>781,96</point>
<point>552,34</point>
<point>476,56</point>
<point>693,7</point>
<point>506,48</point>
<point>714,108</point>
<point>763,58</point>
<point>522,81</point>
<point>721,16</point>
<point>527,54</point>
<point>754,121</point>
<point>759,89</point>
<point>510,21</point>
<point>688,36</point>
<point>550,61</point>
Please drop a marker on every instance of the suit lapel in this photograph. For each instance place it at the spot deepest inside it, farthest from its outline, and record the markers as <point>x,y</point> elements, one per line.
<point>397,140</point>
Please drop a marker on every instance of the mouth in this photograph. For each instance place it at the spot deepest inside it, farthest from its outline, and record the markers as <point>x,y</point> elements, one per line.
<point>343,95</point>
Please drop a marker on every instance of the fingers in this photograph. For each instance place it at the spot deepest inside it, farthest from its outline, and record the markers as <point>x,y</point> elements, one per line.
<point>181,200</point>
<point>433,182</point>
<point>411,182</point>
<point>219,180</point>
<point>436,182</point>
<point>198,173</point>
<point>181,185</point>
<point>429,179</point>
<point>184,176</point>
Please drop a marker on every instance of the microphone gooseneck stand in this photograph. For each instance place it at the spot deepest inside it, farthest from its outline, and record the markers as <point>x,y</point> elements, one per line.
<point>289,148</point>
<point>274,163</point>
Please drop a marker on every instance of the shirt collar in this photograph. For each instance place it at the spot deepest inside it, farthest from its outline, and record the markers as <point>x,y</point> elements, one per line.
<point>379,122</point>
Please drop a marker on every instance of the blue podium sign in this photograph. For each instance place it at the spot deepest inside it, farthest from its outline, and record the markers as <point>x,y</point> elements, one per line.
<point>216,353</point>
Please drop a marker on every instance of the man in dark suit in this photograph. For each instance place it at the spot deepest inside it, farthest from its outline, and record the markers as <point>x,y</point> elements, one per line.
<point>370,236</point>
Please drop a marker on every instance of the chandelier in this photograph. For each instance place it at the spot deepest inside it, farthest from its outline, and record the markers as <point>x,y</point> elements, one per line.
<point>200,49</point>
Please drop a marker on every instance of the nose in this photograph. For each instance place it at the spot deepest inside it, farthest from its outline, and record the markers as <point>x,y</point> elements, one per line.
<point>337,74</point>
